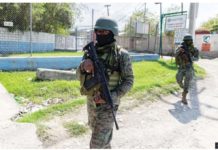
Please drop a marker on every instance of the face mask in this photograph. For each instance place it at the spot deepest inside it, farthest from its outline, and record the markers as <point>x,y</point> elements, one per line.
<point>105,39</point>
<point>189,42</point>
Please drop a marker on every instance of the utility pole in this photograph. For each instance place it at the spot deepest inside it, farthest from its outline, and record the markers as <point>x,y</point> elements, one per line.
<point>182,7</point>
<point>92,18</point>
<point>145,13</point>
<point>155,40</point>
<point>31,24</point>
<point>161,19</point>
<point>107,9</point>
<point>193,11</point>
<point>76,33</point>
<point>148,26</point>
<point>136,24</point>
<point>92,31</point>
<point>130,26</point>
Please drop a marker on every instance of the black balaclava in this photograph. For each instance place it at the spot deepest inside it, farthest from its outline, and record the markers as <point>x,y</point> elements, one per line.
<point>103,40</point>
<point>188,42</point>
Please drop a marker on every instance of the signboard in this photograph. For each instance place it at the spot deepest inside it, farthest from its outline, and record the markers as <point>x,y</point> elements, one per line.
<point>175,22</point>
<point>8,24</point>
<point>179,34</point>
<point>141,28</point>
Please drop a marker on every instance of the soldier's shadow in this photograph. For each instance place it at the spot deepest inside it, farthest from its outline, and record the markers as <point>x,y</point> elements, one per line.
<point>187,113</point>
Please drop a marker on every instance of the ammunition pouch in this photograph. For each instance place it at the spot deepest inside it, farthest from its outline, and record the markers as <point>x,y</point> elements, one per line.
<point>89,84</point>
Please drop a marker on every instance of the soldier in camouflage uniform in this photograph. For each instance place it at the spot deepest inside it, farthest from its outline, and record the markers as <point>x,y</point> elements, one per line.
<point>118,70</point>
<point>186,53</point>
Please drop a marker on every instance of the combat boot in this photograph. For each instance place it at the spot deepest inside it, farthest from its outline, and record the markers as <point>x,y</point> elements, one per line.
<point>184,100</point>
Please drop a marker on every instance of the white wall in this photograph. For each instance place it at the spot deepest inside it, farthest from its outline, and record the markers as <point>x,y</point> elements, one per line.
<point>213,41</point>
<point>18,36</point>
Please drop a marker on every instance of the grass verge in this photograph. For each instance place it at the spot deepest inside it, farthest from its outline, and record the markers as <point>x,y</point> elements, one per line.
<point>155,77</point>
<point>25,88</point>
<point>75,129</point>
<point>58,109</point>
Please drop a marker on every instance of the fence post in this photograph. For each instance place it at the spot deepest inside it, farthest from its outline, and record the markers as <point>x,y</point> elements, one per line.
<point>155,38</point>
<point>31,29</point>
<point>148,36</point>
<point>76,37</point>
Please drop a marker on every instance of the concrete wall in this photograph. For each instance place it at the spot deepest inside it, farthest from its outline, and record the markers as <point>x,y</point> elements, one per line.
<point>19,42</point>
<point>33,63</point>
<point>149,43</point>
<point>213,41</point>
<point>15,63</point>
<point>65,42</point>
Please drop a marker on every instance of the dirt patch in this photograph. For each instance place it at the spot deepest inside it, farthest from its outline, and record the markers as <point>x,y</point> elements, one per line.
<point>53,131</point>
<point>166,123</point>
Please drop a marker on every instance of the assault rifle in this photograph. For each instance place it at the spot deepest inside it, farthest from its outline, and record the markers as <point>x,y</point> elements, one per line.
<point>100,77</point>
<point>184,46</point>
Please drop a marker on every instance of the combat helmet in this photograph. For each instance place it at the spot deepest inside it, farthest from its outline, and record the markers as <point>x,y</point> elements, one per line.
<point>107,24</point>
<point>187,37</point>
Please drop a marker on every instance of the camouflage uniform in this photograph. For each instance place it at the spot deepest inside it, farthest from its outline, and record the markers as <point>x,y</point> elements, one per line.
<point>185,66</point>
<point>117,64</point>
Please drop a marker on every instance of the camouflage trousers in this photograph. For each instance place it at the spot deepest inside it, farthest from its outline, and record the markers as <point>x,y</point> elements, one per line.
<point>100,120</point>
<point>184,77</point>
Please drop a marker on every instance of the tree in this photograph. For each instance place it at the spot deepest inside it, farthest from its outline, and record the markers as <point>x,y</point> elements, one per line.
<point>138,15</point>
<point>173,8</point>
<point>211,24</point>
<point>16,13</point>
<point>55,18</point>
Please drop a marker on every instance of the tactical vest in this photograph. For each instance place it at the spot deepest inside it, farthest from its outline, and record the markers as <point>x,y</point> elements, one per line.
<point>111,65</point>
<point>182,59</point>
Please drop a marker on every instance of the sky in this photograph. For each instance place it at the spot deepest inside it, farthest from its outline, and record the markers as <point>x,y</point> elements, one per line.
<point>121,11</point>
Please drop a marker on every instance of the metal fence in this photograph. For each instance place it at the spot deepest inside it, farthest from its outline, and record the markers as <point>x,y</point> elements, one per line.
<point>12,40</point>
<point>16,35</point>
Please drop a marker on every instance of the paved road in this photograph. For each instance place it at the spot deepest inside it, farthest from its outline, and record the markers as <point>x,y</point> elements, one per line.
<point>167,123</point>
<point>12,134</point>
<point>162,124</point>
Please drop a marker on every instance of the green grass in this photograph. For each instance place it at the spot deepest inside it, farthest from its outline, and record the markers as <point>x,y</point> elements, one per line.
<point>54,53</point>
<point>23,84</point>
<point>148,76</point>
<point>58,109</point>
<point>75,129</point>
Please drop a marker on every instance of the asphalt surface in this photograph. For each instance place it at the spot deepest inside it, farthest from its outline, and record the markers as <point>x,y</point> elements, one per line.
<point>165,123</point>
<point>13,134</point>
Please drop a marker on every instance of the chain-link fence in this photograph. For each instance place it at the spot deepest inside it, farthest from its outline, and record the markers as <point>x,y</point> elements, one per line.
<point>17,20</point>
<point>22,32</point>
<point>12,23</point>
